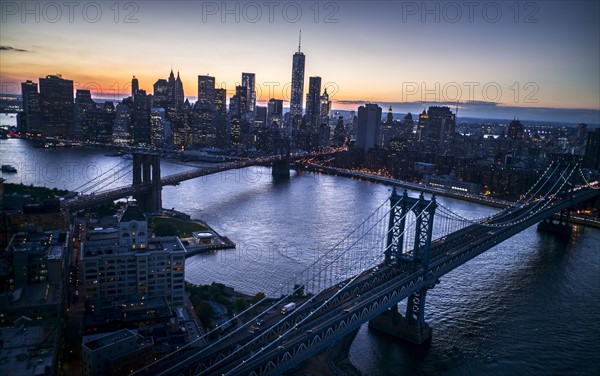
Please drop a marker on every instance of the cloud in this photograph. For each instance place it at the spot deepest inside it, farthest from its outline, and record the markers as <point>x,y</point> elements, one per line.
<point>487,110</point>
<point>347,101</point>
<point>9,48</point>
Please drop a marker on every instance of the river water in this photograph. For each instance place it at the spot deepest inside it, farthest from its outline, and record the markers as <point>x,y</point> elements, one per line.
<point>529,306</point>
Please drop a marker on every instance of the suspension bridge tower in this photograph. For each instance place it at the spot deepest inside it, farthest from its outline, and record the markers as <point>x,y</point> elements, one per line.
<point>146,172</point>
<point>411,327</point>
<point>560,223</point>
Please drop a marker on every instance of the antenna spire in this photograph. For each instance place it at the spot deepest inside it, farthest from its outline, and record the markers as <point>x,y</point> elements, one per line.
<point>299,40</point>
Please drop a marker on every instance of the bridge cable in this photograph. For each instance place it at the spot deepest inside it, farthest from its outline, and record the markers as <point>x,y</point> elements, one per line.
<point>96,182</point>
<point>324,304</point>
<point>274,292</point>
<point>485,221</point>
<point>587,182</point>
<point>88,182</point>
<point>293,292</point>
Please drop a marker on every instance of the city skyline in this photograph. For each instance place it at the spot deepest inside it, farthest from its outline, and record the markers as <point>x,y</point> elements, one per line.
<point>408,55</point>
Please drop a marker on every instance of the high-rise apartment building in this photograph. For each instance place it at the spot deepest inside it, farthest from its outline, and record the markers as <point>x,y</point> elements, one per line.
<point>31,108</point>
<point>368,133</point>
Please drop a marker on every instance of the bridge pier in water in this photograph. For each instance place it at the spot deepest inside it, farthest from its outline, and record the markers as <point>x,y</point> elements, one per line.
<point>146,171</point>
<point>281,169</point>
<point>412,326</point>
<point>406,328</point>
<point>558,224</point>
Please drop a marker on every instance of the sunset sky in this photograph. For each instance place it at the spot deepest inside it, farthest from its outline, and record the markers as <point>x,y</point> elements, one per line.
<point>541,57</point>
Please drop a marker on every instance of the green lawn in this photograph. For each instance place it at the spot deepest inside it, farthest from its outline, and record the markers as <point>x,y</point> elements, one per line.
<point>168,226</point>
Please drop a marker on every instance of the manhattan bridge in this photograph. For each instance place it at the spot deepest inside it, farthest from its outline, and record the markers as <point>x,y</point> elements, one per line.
<point>402,250</point>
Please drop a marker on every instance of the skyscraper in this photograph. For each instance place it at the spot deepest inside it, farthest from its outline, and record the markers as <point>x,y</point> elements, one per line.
<point>238,105</point>
<point>515,130</point>
<point>297,86</point>
<point>313,103</point>
<point>206,92</point>
<point>582,133</point>
<point>368,133</point>
<point>441,123</point>
<point>161,89</point>
<point>422,126</point>
<point>135,86</point>
<point>31,108</point>
<point>158,119</point>
<point>275,113</point>
<point>121,133</point>
<point>222,125</point>
<point>260,120</point>
<point>592,150</point>
<point>56,99</point>
<point>221,100</point>
<point>249,81</point>
<point>390,117</point>
<point>325,107</point>
<point>175,91</point>
<point>140,119</point>
<point>82,119</point>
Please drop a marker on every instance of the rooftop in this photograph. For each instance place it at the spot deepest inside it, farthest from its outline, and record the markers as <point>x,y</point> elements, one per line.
<point>94,343</point>
<point>47,244</point>
<point>110,245</point>
<point>129,312</point>
<point>33,295</point>
<point>133,213</point>
<point>26,350</point>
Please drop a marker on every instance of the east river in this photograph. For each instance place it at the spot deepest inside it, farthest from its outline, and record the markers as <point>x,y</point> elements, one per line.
<point>529,306</point>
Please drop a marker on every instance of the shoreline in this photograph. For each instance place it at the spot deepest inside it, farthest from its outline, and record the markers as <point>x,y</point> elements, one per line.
<point>214,243</point>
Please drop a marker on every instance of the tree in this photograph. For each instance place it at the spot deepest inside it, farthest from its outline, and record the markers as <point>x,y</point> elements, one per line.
<point>258,297</point>
<point>205,312</point>
<point>240,304</point>
<point>299,291</point>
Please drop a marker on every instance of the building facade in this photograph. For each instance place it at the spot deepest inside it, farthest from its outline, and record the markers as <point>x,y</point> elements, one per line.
<point>206,93</point>
<point>297,90</point>
<point>368,132</point>
<point>131,266</point>
<point>313,104</point>
<point>56,99</point>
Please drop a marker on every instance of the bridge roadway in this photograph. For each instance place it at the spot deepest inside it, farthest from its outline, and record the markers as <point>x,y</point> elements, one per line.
<point>284,341</point>
<point>86,201</point>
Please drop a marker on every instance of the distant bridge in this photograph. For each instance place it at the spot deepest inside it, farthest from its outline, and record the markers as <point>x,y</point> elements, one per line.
<point>147,182</point>
<point>489,201</point>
